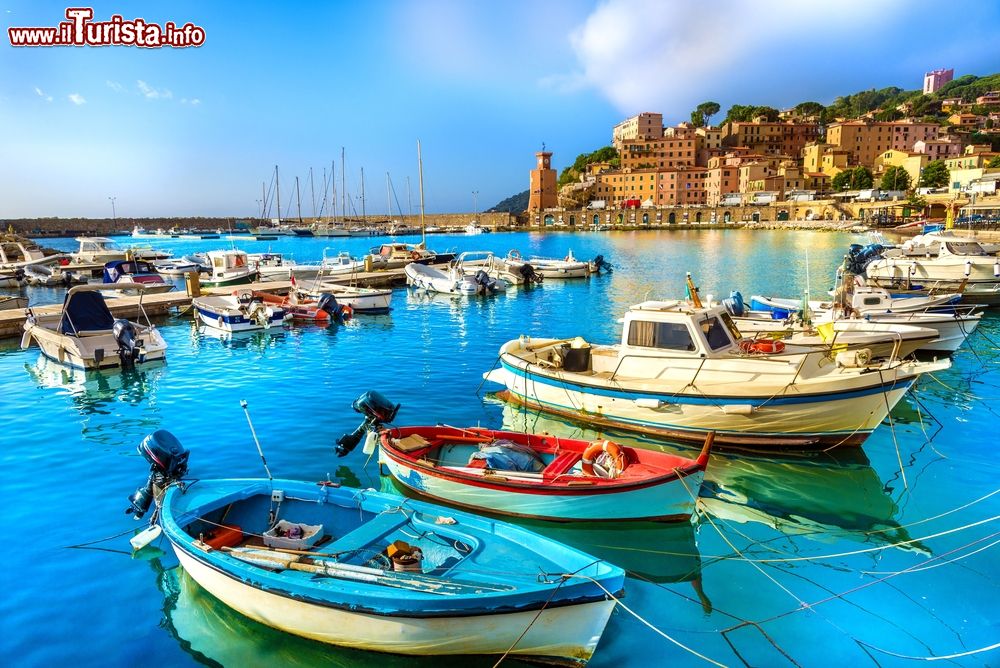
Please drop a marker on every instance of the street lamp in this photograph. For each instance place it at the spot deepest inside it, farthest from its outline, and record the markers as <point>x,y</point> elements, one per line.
<point>114,214</point>
<point>475,204</point>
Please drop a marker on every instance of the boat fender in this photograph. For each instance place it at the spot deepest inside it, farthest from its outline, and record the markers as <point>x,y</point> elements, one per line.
<point>220,322</point>
<point>968,268</point>
<point>996,269</point>
<point>612,450</point>
<point>371,440</point>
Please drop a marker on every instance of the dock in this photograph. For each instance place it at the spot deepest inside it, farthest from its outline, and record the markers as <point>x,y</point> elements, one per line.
<point>12,320</point>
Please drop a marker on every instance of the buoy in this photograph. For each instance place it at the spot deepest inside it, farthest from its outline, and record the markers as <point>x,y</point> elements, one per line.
<point>145,537</point>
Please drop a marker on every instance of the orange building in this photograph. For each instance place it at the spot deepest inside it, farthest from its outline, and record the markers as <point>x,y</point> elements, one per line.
<point>781,138</point>
<point>542,192</point>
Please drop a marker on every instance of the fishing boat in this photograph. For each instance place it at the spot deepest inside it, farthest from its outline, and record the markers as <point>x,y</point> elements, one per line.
<point>238,312</point>
<point>361,300</point>
<point>136,271</point>
<point>300,307</point>
<point>682,370</point>
<point>228,267</point>
<point>86,335</point>
<point>368,570</point>
<point>8,302</point>
<point>399,255</point>
<point>543,476</point>
<point>177,266</point>
<point>456,279</point>
<point>859,300</point>
<point>569,267</point>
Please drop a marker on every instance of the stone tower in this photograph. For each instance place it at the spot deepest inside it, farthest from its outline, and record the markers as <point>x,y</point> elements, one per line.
<point>542,193</point>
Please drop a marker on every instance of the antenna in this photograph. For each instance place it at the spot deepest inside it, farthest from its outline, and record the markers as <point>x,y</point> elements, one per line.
<point>243,405</point>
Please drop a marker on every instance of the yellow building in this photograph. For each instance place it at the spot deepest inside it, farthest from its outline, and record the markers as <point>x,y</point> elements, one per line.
<point>865,140</point>
<point>912,162</point>
<point>973,157</point>
<point>646,125</point>
<point>826,158</point>
<point>760,136</point>
<point>959,179</point>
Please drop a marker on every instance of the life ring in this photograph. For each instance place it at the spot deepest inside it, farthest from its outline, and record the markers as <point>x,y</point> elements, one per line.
<point>414,255</point>
<point>761,346</point>
<point>514,255</point>
<point>347,312</point>
<point>613,450</point>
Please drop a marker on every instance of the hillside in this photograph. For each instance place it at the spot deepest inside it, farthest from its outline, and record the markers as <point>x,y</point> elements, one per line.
<point>513,204</point>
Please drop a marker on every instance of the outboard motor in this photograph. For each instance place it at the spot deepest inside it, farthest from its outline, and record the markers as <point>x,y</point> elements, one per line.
<point>600,263</point>
<point>377,411</point>
<point>128,347</point>
<point>168,461</point>
<point>487,283</point>
<point>529,274</point>
<point>19,274</point>
<point>734,304</point>
<point>328,303</point>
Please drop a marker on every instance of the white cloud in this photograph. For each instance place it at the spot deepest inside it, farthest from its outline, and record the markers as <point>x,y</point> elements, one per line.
<point>151,93</point>
<point>76,99</point>
<point>651,55</point>
<point>115,86</point>
<point>195,102</point>
<point>39,93</point>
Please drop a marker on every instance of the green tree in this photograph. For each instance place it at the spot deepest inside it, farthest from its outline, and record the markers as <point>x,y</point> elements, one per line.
<point>895,178</point>
<point>861,178</point>
<point>809,108</point>
<point>934,175</point>
<point>889,115</point>
<point>842,180</point>
<point>708,109</point>
<point>697,118</point>
<point>994,162</point>
<point>916,203</point>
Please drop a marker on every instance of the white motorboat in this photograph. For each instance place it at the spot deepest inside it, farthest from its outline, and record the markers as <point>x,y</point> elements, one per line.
<point>343,263</point>
<point>569,267</point>
<point>238,312</point>
<point>274,267</point>
<point>101,250</point>
<point>86,335</point>
<point>227,268</point>
<point>177,266</point>
<point>136,271</point>
<point>16,254</point>
<point>861,300</point>
<point>12,278</point>
<point>879,339</point>
<point>455,280</point>
<point>682,370</point>
<point>8,302</point>
<point>475,228</point>
<point>361,300</point>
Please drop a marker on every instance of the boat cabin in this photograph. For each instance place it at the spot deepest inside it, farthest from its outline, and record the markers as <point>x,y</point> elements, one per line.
<point>678,328</point>
<point>137,271</point>
<point>934,245</point>
<point>228,261</point>
<point>401,252</point>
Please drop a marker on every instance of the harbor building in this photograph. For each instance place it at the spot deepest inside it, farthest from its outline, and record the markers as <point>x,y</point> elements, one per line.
<point>647,125</point>
<point>542,190</point>
<point>777,138</point>
<point>934,80</point>
<point>865,140</point>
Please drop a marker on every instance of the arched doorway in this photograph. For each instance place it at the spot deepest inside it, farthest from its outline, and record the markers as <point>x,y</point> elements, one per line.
<point>549,219</point>
<point>697,217</point>
<point>597,220</point>
<point>621,218</point>
<point>645,219</point>
<point>755,216</point>
<point>727,216</point>
<point>672,218</point>
<point>783,214</point>
<point>572,221</point>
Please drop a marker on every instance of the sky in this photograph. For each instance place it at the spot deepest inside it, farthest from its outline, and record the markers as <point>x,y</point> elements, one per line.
<point>482,85</point>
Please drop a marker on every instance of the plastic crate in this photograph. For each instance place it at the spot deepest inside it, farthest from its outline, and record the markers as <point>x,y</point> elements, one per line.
<point>311,533</point>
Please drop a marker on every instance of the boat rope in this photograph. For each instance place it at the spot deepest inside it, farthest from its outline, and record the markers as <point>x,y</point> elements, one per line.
<point>947,657</point>
<point>533,620</point>
<point>950,561</point>
<point>100,540</point>
<point>934,517</point>
<point>492,368</point>
<point>965,395</point>
<point>644,621</point>
<point>892,429</point>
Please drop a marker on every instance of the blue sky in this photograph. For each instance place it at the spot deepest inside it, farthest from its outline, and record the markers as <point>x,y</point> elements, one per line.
<point>482,85</point>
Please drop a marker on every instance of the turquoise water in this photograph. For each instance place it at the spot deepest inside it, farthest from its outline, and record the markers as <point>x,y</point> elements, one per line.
<point>814,561</point>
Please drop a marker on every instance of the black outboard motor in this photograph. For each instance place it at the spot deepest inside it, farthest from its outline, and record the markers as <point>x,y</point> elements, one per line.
<point>377,411</point>
<point>328,303</point>
<point>488,284</point>
<point>529,274</point>
<point>168,461</point>
<point>128,347</point>
<point>601,264</point>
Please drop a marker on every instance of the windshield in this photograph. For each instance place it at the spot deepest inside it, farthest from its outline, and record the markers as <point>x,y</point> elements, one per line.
<point>668,335</point>
<point>964,248</point>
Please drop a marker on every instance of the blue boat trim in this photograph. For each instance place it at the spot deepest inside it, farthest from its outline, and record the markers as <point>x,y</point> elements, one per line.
<point>756,401</point>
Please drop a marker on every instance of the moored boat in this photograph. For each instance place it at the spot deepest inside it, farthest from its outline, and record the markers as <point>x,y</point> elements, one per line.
<point>543,476</point>
<point>239,312</point>
<point>136,271</point>
<point>680,371</point>
<point>86,335</point>
<point>569,267</point>
<point>322,310</point>
<point>368,570</point>
<point>8,302</point>
<point>228,267</point>
<point>457,279</point>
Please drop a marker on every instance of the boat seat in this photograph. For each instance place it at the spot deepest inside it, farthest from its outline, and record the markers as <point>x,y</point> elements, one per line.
<point>410,443</point>
<point>562,463</point>
<point>369,532</point>
<point>94,332</point>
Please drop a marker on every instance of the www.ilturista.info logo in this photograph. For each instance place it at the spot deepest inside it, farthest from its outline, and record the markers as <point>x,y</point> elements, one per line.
<point>80,30</point>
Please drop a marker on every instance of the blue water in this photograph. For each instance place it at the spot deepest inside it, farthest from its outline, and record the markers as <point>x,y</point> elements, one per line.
<point>822,560</point>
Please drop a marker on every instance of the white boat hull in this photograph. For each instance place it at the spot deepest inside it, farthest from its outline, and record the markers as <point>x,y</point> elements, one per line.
<point>671,500</point>
<point>567,634</point>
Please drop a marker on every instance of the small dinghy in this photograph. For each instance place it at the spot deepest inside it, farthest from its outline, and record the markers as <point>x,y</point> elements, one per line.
<point>12,278</point>
<point>239,312</point>
<point>177,266</point>
<point>372,571</point>
<point>86,335</point>
<point>543,476</point>
<point>136,271</point>
<point>568,267</point>
<point>456,280</point>
<point>41,275</point>
<point>8,302</point>
<point>299,307</point>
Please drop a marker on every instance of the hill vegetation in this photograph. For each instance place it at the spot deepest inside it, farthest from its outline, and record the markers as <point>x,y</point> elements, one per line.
<point>571,174</point>
<point>513,204</point>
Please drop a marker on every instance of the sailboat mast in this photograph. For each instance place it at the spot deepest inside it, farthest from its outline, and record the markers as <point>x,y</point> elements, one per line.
<point>343,186</point>
<point>263,201</point>
<point>420,171</point>
<point>388,197</point>
<point>409,202</point>
<point>333,191</point>
<point>277,192</point>
<point>364,216</point>
<point>312,191</point>
<point>298,199</point>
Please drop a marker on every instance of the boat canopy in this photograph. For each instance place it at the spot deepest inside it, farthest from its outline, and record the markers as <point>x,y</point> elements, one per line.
<point>114,270</point>
<point>85,311</point>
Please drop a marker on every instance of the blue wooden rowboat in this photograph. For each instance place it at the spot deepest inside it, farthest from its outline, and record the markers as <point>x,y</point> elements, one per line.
<point>478,586</point>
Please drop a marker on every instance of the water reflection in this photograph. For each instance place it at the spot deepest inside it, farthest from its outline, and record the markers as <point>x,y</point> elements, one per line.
<point>258,341</point>
<point>96,391</point>
<point>829,496</point>
<point>214,634</point>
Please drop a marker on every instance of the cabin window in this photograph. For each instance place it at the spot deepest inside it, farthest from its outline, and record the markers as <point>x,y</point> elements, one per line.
<point>219,262</point>
<point>240,261</point>
<point>715,333</point>
<point>872,301</point>
<point>668,335</point>
<point>964,248</point>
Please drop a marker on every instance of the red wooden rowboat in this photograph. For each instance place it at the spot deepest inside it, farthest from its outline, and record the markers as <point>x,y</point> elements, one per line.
<point>544,476</point>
